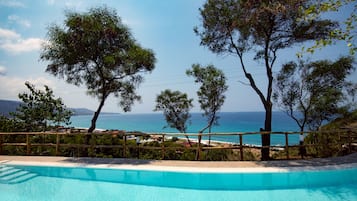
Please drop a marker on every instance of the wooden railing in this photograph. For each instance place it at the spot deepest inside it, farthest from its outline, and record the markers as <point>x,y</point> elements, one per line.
<point>125,143</point>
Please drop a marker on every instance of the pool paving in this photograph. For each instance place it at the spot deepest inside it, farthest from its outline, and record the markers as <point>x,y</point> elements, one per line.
<point>191,166</point>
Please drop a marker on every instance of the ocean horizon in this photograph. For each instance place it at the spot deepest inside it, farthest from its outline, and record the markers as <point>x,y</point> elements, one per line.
<point>229,122</point>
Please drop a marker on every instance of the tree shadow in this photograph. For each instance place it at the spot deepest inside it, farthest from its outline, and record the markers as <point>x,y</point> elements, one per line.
<point>311,164</point>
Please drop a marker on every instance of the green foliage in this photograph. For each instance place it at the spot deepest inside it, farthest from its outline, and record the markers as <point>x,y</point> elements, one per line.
<point>175,106</point>
<point>238,27</point>
<point>211,93</point>
<point>314,92</point>
<point>347,29</point>
<point>39,109</point>
<point>97,50</point>
<point>345,121</point>
<point>10,125</point>
<point>327,145</point>
<point>335,143</point>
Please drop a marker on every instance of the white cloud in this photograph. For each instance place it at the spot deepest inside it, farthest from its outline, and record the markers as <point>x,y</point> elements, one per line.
<point>6,34</point>
<point>18,20</point>
<point>2,70</point>
<point>11,86</point>
<point>12,42</point>
<point>23,45</point>
<point>11,3</point>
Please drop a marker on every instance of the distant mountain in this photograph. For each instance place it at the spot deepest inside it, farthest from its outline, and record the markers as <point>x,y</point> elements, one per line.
<point>81,111</point>
<point>7,106</point>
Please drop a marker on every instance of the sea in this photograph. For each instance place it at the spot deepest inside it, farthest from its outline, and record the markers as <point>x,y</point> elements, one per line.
<point>228,122</point>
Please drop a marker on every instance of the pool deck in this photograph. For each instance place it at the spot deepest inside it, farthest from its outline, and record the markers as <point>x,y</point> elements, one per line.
<point>189,166</point>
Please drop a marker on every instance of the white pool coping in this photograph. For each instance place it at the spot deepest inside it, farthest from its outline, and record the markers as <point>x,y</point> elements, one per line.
<point>183,166</point>
<point>184,169</point>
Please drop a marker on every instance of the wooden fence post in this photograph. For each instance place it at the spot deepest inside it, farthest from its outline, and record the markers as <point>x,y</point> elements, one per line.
<point>1,141</point>
<point>163,147</point>
<point>241,146</point>
<point>198,151</point>
<point>287,145</point>
<point>349,141</point>
<point>57,143</point>
<point>28,144</point>
<point>124,146</point>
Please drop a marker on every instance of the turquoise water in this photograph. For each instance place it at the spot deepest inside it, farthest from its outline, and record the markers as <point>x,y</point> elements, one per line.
<point>228,122</point>
<point>27,183</point>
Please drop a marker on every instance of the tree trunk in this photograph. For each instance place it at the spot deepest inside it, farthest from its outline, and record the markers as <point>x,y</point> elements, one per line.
<point>266,137</point>
<point>93,125</point>
<point>95,116</point>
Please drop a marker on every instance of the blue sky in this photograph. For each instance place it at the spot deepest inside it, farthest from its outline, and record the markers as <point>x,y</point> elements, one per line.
<point>165,26</point>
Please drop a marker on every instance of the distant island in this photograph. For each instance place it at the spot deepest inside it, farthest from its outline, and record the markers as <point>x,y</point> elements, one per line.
<point>8,106</point>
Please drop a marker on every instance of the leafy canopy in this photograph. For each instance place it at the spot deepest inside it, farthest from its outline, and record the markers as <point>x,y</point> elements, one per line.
<point>264,27</point>
<point>175,106</point>
<point>40,108</point>
<point>314,92</point>
<point>97,50</point>
<point>235,26</point>
<point>347,30</point>
<point>211,92</point>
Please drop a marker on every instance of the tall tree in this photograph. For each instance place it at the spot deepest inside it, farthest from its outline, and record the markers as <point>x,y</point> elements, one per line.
<point>238,27</point>
<point>97,50</point>
<point>175,106</point>
<point>40,108</point>
<point>314,92</point>
<point>211,92</point>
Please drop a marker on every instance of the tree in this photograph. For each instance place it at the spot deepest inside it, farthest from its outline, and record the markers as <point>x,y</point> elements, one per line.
<point>315,92</point>
<point>175,106</point>
<point>347,32</point>
<point>211,93</point>
<point>264,27</point>
<point>97,50</point>
<point>10,125</point>
<point>40,109</point>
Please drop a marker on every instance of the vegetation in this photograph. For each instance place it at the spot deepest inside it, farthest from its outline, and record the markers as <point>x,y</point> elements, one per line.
<point>175,106</point>
<point>238,27</point>
<point>96,49</point>
<point>348,120</point>
<point>40,109</point>
<point>211,93</point>
<point>74,147</point>
<point>330,145</point>
<point>346,32</point>
<point>10,125</point>
<point>315,92</point>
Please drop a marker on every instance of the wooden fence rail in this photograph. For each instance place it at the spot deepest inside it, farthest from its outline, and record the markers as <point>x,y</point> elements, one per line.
<point>347,140</point>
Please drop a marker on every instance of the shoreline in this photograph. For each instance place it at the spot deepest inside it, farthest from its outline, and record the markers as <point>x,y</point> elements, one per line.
<point>192,137</point>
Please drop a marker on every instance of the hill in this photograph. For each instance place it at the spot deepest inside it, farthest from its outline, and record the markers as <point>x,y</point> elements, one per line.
<point>81,111</point>
<point>348,121</point>
<point>8,106</point>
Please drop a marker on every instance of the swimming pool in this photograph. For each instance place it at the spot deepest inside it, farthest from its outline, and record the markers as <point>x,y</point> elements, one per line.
<point>39,183</point>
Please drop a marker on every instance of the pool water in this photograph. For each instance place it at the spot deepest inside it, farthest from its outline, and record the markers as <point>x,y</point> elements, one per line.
<point>39,183</point>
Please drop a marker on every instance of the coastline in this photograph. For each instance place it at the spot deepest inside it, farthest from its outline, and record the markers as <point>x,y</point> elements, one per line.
<point>229,122</point>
